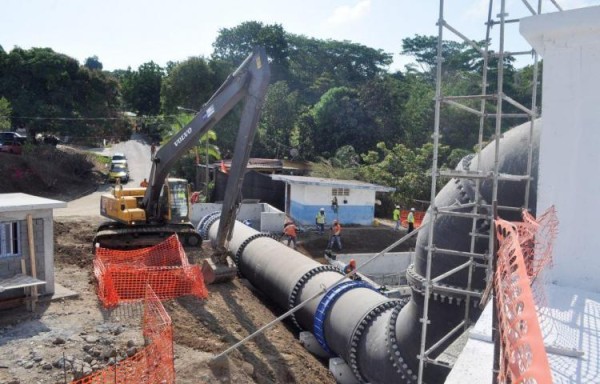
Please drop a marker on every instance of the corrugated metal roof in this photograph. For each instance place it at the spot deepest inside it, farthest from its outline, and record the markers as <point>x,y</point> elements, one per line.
<point>335,183</point>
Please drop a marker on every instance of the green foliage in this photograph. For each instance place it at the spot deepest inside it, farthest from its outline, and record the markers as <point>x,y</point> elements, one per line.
<point>49,91</point>
<point>403,168</point>
<point>93,63</point>
<point>187,84</point>
<point>5,112</point>
<point>233,45</point>
<point>204,151</point>
<point>342,166</point>
<point>141,89</point>
<point>279,114</point>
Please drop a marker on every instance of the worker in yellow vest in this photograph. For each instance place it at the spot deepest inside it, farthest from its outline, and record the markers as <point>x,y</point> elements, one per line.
<point>320,221</point>
<point>411,220</point>
<point>396,218</point>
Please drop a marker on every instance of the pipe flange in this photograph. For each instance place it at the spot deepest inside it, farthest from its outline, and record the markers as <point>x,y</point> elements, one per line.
<point>210,221</point>
<point>300,284</point>
<point>417,284</point>
<point>358,331</point>
<point>327,302</point>
<point>245,243</point>
<point>200,226</point>
<point>393,349</point>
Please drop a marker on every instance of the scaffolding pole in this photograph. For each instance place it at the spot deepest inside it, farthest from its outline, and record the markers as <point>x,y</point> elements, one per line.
<point>479,209</point>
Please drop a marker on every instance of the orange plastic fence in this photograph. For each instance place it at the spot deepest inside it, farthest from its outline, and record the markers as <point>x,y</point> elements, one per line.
<point>154,363</point>
<point>523,356</point>
<point>418,218</point>
<point>123,275</point>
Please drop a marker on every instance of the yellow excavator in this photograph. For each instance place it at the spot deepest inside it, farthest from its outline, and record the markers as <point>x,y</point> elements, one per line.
<point>142,217</point>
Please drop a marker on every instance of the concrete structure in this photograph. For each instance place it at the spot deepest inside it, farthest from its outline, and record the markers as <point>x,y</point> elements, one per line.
<point>14,242</point>
<point>306,195</point>
<point>263,217</point>
<point>569,43</point>
<point>388,269</point>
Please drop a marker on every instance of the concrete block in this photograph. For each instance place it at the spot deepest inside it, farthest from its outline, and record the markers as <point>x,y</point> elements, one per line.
<point>309,341</point>
<point>341,371</point>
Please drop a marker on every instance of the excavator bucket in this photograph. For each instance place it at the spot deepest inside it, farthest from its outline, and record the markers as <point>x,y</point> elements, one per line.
<point>215,273</point>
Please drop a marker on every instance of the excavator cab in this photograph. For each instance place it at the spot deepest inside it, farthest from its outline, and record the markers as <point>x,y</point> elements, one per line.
<point>175,201</point>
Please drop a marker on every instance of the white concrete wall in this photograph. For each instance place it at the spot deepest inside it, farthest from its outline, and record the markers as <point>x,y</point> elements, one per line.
<point>263,217</point>
<point>45,272</point>
<point>569,43</point>
<point>306,200</point>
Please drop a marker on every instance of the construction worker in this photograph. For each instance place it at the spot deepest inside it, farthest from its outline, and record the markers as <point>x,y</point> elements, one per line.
<point>144,183</point>
<point>152,150</point>
<point>289,230</point>
<point>411,220</point>
<point>396,218</point>
<point>320,221</point>
<point>350,267</point>
<point>336,231</point>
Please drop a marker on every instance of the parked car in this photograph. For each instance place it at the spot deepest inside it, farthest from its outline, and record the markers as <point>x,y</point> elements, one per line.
<point>12,136</point>
<point>118,171</point>
<point>118,158</point>
<point>11,146</point>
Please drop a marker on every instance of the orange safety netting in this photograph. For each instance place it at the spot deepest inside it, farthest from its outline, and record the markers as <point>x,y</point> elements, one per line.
<point>524,249</point>
<point>154,363</point>
<point>123,275</point>
<point>418,218</point>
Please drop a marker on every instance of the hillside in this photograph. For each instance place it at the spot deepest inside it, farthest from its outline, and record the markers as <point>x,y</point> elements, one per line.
<point>59,173</point>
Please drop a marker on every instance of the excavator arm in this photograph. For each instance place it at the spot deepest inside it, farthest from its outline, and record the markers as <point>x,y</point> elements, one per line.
<point>248,82</point>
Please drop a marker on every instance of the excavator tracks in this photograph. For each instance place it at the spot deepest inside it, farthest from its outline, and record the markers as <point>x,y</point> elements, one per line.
<point>115,235</point>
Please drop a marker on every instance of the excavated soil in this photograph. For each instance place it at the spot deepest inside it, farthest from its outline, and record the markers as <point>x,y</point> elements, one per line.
<point>67,338</point>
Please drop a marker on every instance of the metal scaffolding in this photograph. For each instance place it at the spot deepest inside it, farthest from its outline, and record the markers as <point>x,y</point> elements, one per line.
<point>478,209</point>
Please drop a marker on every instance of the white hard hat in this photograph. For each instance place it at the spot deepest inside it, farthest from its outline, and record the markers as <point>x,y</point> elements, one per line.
<point>397,206</point>
<point>322,209</point>
<point>412,209</point>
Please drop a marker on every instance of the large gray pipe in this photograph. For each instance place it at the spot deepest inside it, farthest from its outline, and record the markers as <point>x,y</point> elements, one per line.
<point>378,337</point>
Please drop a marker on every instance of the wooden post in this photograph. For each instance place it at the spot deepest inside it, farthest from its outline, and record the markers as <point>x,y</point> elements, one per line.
<point>34,292</point>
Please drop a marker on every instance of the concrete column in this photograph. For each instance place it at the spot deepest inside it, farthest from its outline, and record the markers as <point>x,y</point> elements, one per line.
<point>569,43</point>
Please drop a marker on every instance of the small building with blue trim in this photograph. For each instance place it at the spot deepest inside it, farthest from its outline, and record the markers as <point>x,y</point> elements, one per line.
<point>304,196</point>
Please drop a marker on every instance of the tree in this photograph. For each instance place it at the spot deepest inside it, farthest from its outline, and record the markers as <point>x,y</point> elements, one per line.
<point>141,88</point>
<point>340,120</point>
<point>5,112</point>
<point>403,168</point>
<point>51,92</point>
<point>235,44</point>
<point>188,84</point>
<point>205,151</point>
<point>314,63</point>
<point>279,114</point>
<point>457,56</point>
<point>93,63</point>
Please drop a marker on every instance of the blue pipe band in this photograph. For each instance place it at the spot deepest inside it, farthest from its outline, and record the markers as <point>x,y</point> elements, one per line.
<point>325,305</point>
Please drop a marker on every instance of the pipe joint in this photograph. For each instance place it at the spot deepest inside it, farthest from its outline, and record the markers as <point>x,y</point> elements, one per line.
<point>360,330</point>
<point>300,285</point>
<point>206,222</point>
<point>238,254</point>
<point>325,305</point>
<point>393,348</point>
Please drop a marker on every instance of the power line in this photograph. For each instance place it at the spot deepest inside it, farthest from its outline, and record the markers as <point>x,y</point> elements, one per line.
<point>91,118</point>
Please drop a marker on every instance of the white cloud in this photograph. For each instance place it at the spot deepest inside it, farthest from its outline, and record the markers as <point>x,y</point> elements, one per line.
<point>346,14</point>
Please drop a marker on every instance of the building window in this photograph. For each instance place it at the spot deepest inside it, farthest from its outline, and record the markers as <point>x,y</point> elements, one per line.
<point>10,241</point>
<point>340,191</point>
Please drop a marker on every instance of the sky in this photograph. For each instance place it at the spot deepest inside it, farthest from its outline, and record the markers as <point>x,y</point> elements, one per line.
<point>128,33</point>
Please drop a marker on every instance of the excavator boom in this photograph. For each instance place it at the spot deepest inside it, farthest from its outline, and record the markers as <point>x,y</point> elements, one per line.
<point>140,213</point>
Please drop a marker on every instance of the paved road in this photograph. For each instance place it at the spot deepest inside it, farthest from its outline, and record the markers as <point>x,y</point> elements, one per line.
<point>137,151</point>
